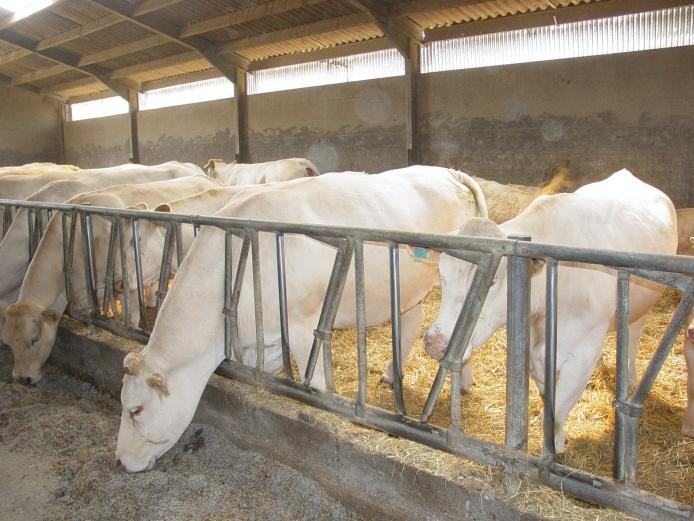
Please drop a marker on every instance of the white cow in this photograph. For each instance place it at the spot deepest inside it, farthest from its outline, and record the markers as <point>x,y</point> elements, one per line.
<point>685,231</point>
<point>36,168</point>
<point>162,386</point>
<point>688,422</point>
<point>31,323</point>
<point>619,213</point>
<point>14,256</point>
<point>259,173</point>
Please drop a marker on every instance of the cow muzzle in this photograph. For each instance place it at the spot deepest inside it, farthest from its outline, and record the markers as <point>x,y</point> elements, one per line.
<point>435,343</point>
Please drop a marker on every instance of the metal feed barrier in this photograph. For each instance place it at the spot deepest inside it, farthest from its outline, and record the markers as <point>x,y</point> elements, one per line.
<point>620,492</point>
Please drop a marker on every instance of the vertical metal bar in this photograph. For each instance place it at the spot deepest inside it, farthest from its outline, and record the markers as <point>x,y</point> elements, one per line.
<point>550,357</point>
<point>109,300</point>
<point>165,268</point>
<point>282,290</point>
<point>236,296</point>
<point>322,334</point>
<point>30,222</point>
<point>125,280</point>
<point>358,246</point>
<point>464,326</point>
<point>518,350</point>
<point>394,265</point>
<point>138,273</point>
<point>6,220</point>
<point>179,244</point>
<point>622,365</point>
<point>228,271</point>
<point>196,229</point>
<point>69,222</point>
<point>258,304</point>
<point>89,267</point>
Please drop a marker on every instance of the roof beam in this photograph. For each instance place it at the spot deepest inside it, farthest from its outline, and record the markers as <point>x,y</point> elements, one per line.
<point>161,63</point>
<point>65,58</point>
<point>13,56</point>
<point>79,32</point>
<point>83,83</point>
<point>226,64</point>
<point>32,89</point>
<point>562,15</point>
<point>40,74</point>
<point>300,31</point>
<point>253,12</point>
<point>123,50</point>
<point>149,6</point>
<point>380,14</point>
<point>33,8</point>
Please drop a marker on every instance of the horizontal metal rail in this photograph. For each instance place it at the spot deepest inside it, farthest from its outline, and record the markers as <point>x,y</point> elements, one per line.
<point>348,242</point>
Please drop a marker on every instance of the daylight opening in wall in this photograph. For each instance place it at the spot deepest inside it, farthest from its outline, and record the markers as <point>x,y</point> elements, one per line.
<point>366,66</point>
<point>195,92</point>
<point>634,32</point>
<point>98,108</point>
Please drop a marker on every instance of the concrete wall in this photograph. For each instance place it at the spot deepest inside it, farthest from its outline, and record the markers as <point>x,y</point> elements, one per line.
<point>29,128</point>
<point>351,126</point>
<point>100,142</point>
<point>596,115</point>
<point>191,133</point>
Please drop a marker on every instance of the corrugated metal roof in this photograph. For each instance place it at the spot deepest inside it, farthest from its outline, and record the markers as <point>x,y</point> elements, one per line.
<point>68,15</point>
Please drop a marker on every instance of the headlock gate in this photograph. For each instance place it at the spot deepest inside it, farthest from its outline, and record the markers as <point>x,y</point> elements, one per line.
<point>621,491</point>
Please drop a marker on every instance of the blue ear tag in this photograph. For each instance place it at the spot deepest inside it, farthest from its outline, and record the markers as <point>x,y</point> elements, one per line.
<point>418,252</point>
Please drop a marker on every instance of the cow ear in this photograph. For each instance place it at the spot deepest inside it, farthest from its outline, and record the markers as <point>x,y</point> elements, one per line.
<point>157,381</point>
<point>310,172</point>
<point>691,239</point>
<point>132,364</point>
<point>163,207</point>
<point>139,206</point>
<point>210,163</point>
<point>51,315</point>
<point>536,266</point>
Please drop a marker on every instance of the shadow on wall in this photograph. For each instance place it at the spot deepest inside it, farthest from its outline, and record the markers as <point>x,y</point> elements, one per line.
<point>198,149</point>
<point>525,149</point>
<point>9,157</point>
<point>372,149</point>
<point>89,155</point>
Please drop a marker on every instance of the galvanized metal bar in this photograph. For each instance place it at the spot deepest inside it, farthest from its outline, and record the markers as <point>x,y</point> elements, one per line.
<point>165,267</point>
<point>548,424</point>
<point>31,221</point>
<point>7,217</point>
<point>464,326</point>
<point>622,373</point>
<point>282,294</point>
<point>179,244</point>
<point>109,300</point>
<point>455,429</point>
<point>616,259</point>
<point>69,224</point>
<point>125,296</point>
<point>323,333</point>
<point>257,304</point>
<point>361,326</point>
<point>196,230</point>
<point>518,350</point>
<point>135,225</point>
<point>88,256</point>
<point>394,267</point>
<point>236,296</point>
<point>228,288</point>
<point>548,420</point>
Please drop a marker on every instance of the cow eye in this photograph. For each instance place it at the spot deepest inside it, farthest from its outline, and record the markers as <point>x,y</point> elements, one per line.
<point>134,412</point>
<point>34,340</point>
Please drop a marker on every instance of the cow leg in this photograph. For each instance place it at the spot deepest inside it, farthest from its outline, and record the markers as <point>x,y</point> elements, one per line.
<point>635,329</point>
<point>410,322</point>
<point>688,421</point>
<point>575,363</point>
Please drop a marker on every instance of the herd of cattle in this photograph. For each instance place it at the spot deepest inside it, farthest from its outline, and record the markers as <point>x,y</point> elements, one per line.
<point>163,384</point>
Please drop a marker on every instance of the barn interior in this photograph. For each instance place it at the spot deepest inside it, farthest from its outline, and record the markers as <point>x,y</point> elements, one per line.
<point>507,90</point>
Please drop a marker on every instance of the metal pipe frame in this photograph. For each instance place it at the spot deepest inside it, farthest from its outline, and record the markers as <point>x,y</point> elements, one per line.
<point>282,294</point>
<point>89,261</point>
<point>135,225</point>
<point>165,269</point>
<point>486,253</point>
<point>548,420</point>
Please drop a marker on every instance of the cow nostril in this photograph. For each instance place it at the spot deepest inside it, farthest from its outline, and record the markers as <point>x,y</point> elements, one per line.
<point>119,464</point>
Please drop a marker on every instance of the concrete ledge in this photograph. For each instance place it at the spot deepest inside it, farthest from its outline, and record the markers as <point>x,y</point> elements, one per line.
<point>372,483</point>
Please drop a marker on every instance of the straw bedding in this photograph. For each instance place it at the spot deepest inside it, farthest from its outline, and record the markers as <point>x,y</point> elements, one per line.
<point>666,458</point>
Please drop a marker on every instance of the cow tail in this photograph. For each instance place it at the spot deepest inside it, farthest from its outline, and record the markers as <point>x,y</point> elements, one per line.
<point>474,187</point>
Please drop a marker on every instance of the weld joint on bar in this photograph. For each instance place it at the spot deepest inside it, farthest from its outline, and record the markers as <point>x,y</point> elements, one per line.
<point>454,366</point>
<point>629,409</point>
<point>325,336</point>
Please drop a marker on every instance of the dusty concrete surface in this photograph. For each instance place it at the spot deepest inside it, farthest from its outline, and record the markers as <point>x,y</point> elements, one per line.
<point>98,142</point>
<point>56,447</point>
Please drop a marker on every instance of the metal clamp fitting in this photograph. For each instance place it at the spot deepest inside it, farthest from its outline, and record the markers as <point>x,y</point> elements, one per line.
<point>453,367</point>
<point>629,409</point>
<point>325,336</point>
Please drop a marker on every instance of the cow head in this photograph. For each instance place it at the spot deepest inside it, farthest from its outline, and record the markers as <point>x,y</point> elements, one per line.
<point>29,331</point>
<point>456,276</point>
<point>157,408</point>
